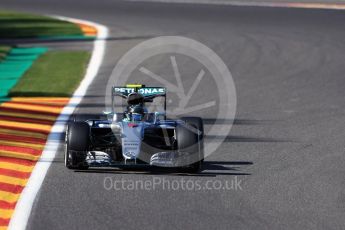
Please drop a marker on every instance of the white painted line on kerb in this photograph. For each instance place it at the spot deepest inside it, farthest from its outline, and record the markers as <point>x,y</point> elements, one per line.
<point>26,200</point>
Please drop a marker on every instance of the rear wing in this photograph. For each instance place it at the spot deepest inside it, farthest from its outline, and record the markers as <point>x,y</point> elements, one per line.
<point>149,93</point>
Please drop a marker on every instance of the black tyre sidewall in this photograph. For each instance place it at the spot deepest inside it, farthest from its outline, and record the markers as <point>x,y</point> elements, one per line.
<point>188,142</point>
<point>78,138</point>
<point>197,122</point>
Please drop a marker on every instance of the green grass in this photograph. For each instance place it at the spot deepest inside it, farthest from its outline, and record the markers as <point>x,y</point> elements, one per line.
<point>55,73</point>
<point>20,25</point>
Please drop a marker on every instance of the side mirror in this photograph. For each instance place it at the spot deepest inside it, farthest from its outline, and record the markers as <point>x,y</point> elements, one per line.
<point>157,115</point>
<point>110,115</point>
<point>107,112</point>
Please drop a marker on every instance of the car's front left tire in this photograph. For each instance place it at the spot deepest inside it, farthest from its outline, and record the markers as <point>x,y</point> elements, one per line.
<point>77,145</point>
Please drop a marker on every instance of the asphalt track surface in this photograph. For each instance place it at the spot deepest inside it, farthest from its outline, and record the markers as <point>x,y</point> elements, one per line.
<point>286,145</point>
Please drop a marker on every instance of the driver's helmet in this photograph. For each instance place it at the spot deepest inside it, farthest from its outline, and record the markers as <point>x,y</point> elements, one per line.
<point>137,112</point>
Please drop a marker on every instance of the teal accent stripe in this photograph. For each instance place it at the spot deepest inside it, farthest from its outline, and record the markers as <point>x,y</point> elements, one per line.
<point>68,37</point>
<point>13,67</point>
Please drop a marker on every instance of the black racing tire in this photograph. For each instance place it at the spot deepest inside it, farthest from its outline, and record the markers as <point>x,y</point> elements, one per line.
<point>190,141</point>
<point>85,117</point>
<point>199,124</point>
<point>77,141</point>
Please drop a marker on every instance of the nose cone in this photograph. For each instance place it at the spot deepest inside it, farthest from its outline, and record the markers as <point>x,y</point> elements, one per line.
<point>132,134</point>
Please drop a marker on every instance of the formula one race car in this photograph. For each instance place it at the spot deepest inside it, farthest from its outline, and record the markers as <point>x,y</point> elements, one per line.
<point>135,136</point>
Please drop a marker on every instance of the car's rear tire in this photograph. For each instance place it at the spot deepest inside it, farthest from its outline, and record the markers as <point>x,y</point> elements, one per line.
<point>190,139</point>
<point>77,145</point>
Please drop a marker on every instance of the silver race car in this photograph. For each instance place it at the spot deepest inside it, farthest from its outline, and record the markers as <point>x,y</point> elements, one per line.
<point>135,135</point>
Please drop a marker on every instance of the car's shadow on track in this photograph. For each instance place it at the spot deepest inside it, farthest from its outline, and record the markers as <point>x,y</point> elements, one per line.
<point>209,169</point>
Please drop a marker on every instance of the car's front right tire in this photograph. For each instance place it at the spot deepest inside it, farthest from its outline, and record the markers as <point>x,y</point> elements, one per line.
<point>190,140</point>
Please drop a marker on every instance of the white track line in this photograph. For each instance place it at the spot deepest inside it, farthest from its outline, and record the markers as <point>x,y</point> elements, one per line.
<point>291,4</point>
<point>24,205</point>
